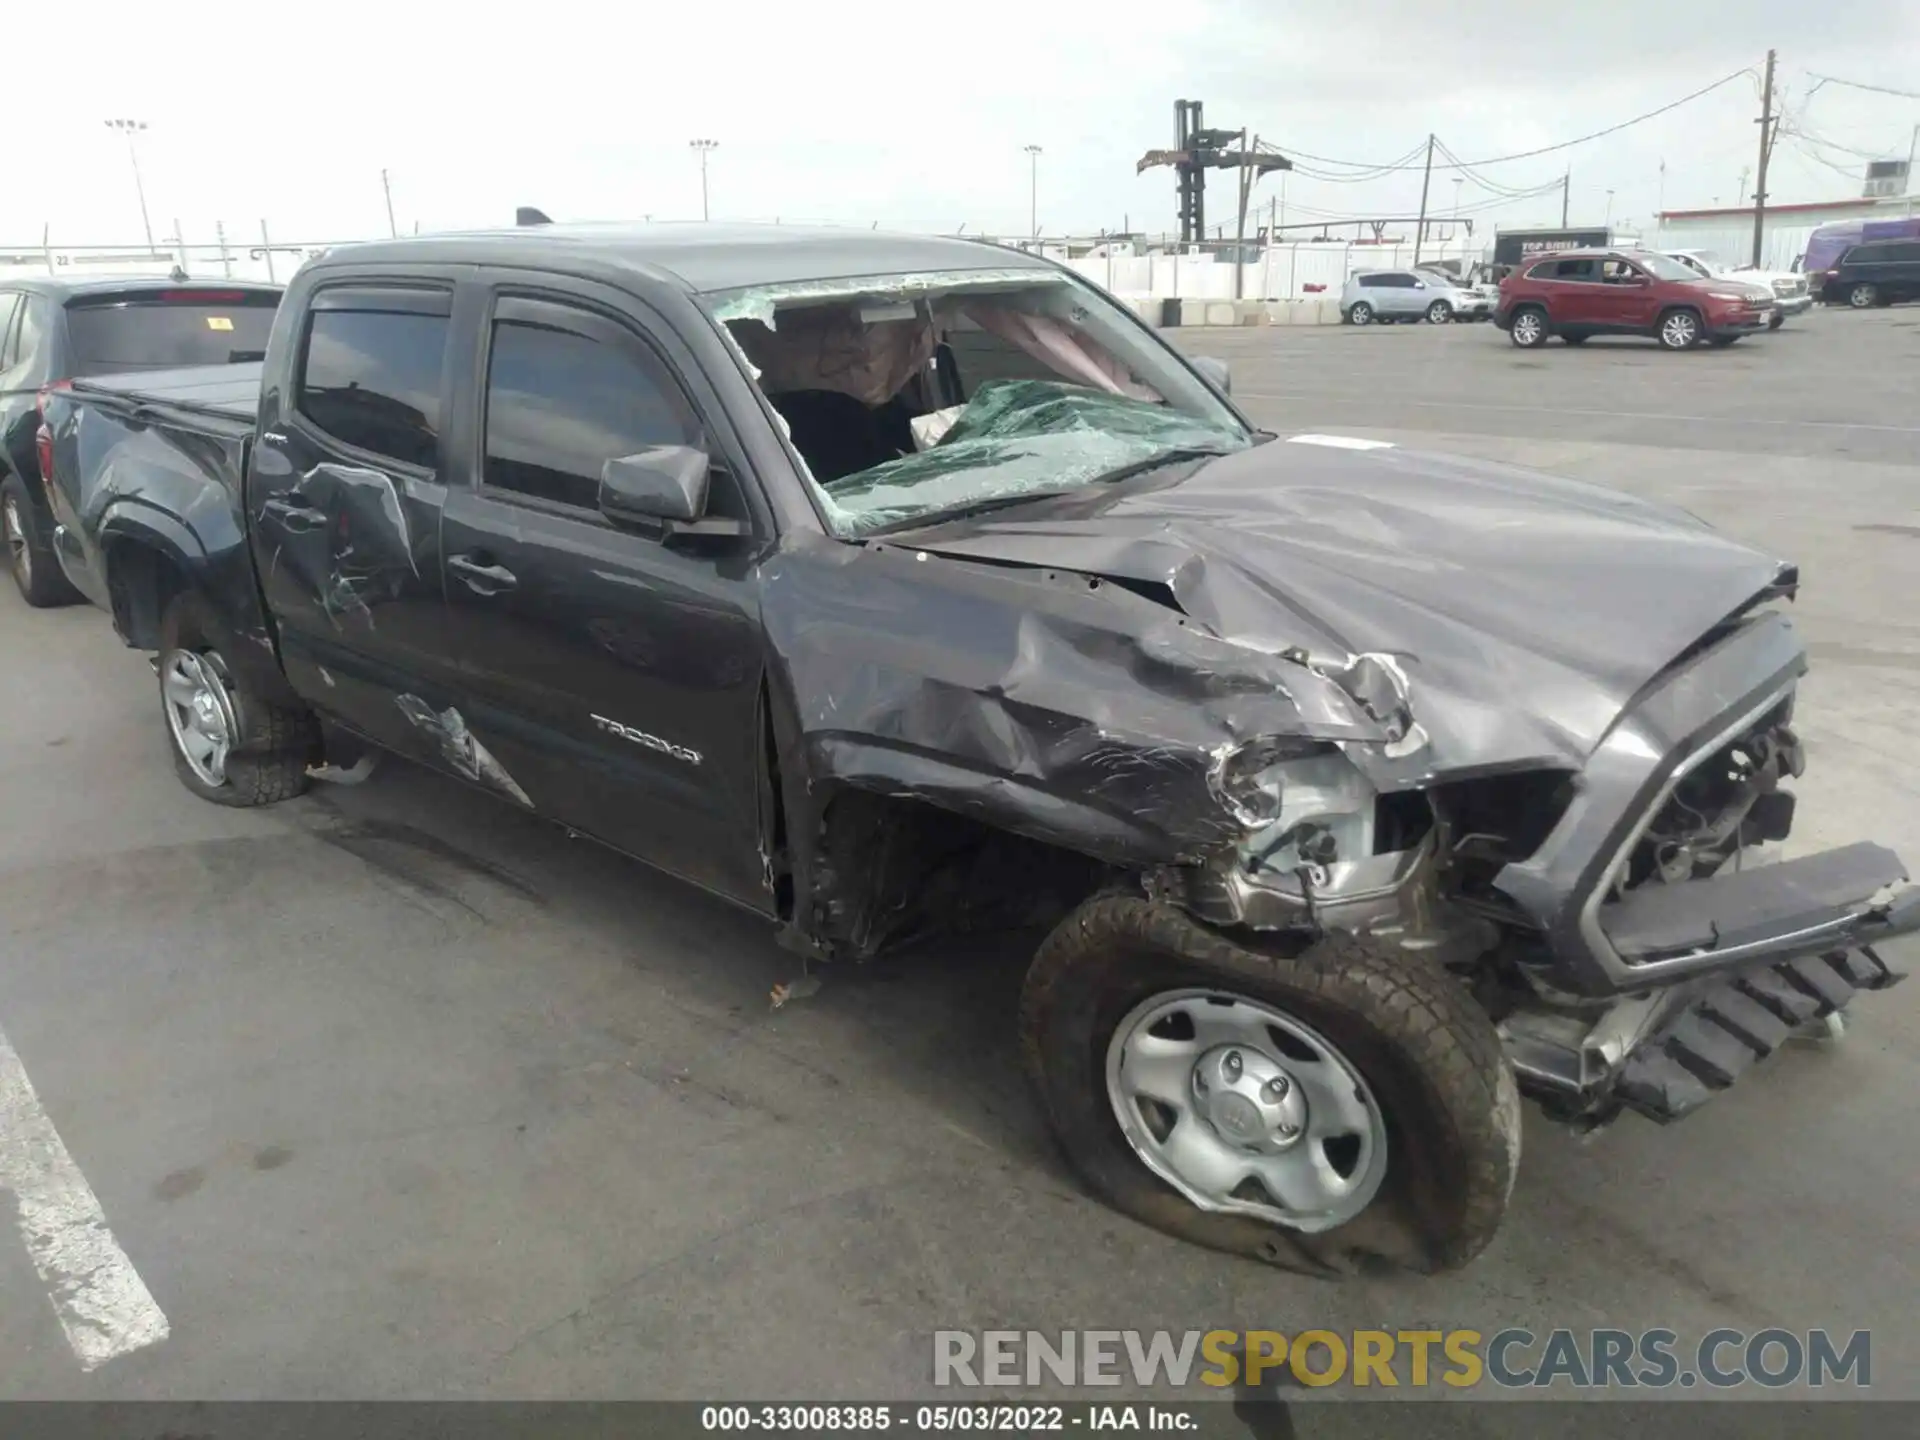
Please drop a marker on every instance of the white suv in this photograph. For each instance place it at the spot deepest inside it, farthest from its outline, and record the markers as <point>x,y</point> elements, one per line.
<point>1388,295</point>
<point>1791,295</point>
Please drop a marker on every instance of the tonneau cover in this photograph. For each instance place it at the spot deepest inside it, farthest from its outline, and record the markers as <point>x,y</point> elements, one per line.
<point>229,391</point>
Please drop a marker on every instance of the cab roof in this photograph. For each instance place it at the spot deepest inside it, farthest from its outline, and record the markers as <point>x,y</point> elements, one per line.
<point>702,256</point>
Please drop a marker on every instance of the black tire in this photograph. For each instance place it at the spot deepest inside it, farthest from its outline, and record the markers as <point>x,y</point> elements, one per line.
<point>1361,313</point>
<point>1439,313</point>
<point>1721,342</point>
<point>30,559</point>
<point>1528,327</point>
<point>1576,339</point>
<point>1430,1054</point>
<point>1776,320</point>
<point>1678,328</point>
<point>275,746</point>
<point>1863,297</point>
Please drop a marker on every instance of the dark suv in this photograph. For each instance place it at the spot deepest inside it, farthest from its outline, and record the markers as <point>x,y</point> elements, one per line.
<point>52,330</point>
<point>1576,294</point>
<point>1875,272</point>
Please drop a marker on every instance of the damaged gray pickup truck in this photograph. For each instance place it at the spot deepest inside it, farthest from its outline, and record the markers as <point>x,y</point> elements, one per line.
<point>893,586</point>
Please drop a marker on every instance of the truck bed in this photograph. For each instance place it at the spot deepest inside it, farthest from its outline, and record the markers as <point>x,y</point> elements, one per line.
<point>226,394</point>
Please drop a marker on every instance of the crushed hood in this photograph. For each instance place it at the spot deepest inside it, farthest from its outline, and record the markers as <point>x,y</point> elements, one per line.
<point>1525,610</point>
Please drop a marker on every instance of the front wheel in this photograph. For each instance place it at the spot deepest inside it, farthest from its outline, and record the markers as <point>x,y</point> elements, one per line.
<point>1721,342</point>
<point>1863,297</point>
<point>1775,321</point>
<point>1679,330</point>
<point>1439,313</point>
<point>229,745</point>
<point>1317,1110</point>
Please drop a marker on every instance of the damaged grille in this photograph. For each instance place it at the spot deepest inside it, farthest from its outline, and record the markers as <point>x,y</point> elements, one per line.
<point>1718,804</point>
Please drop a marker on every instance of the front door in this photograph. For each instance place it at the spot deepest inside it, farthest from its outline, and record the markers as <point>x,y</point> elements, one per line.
<point>346,493</point>
<point>1624,298</point>
<point>614,673</point>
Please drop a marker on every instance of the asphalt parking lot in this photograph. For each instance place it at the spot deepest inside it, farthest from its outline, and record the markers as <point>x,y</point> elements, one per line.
<point>392,1091</point>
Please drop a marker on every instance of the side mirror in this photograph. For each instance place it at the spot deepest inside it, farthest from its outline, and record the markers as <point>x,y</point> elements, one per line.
<point>1215,370</point>
<point>664,487</point>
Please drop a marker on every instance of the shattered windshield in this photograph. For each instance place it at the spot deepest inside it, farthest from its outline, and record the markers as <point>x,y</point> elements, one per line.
<point>908,398</point>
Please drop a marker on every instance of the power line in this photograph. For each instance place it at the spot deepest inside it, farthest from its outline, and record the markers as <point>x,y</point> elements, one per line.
<point>1861,85</point>
<point>1624,124</point>
<point>1405,162</point>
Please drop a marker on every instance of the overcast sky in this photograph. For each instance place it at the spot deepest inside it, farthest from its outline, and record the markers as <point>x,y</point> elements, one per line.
<point>915,116</point>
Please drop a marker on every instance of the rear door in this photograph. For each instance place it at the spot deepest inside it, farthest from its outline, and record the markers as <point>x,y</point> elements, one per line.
<point>1399,295</point>
<point>613,672</point>
<point>1573,291</point>
<point>345,494</point>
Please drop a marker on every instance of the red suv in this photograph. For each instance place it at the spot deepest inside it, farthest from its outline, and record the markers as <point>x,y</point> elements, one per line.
<point>1578,293</point>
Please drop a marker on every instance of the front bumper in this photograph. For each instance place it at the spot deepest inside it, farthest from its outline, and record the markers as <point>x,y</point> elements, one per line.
<point>1791,305</point>
<point>1740,322</point>
<point>1665,1054</point>
<point>1712,1040</point>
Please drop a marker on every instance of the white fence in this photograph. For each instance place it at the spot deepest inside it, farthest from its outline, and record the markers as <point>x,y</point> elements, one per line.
<point>1283,272</point>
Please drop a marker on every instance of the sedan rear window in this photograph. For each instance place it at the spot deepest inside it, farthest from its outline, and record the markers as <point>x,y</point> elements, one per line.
<point>163,330</point>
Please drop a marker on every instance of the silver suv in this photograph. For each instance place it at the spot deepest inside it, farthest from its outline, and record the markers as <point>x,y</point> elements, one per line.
<point>1387,295</point>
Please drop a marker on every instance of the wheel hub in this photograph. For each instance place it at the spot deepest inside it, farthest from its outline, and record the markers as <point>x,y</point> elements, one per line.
<point>1246,1109</point>
<point>199,713</point>
<point>1249,1099</point>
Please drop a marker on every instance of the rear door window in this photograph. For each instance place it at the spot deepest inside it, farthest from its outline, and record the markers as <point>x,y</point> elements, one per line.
<point>371,377</point>
<point>1581,267</point>
<point>167,329</point>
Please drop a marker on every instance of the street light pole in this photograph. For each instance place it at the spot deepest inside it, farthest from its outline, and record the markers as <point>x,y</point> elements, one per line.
<point>130,128</point>
<point>703,148</point>
<point>1033,189</point>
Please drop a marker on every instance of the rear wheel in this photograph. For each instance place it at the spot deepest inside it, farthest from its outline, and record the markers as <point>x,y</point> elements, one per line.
<point>1678,330</point>
<point>1439,313</point>
<point>1361,313</point>
<point>1528,327</point>
<point>1350,1102</point>
<point>30,557</point>
<point>1863,297</point>
<point>229,744</point>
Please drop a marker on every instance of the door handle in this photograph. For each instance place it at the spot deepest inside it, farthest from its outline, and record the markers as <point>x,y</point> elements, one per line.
<point>299,517</point>
<point>481,578</point>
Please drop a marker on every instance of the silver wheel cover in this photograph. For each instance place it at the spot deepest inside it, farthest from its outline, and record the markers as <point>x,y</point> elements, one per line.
<point>199,713</point>
<point>1246,1110</point>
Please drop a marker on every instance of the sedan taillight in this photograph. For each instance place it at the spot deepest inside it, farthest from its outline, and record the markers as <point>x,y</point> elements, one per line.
<point>43,437</point>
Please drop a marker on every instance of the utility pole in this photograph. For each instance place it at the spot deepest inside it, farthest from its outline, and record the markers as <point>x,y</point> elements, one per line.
<point>703,148</point>
<point>1913,153</point>
<point>1426,180</point>
<point>1766,123</point>
<point>1034,152</point>
<point>1566,184</point>
<point>387,190</point>
<point>131,128</point>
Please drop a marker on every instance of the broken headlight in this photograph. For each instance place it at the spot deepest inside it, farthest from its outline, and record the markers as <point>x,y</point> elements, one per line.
<point>1307,805</point>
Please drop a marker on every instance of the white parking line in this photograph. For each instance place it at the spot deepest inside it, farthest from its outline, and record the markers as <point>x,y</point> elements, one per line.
<point>101,1301</point>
